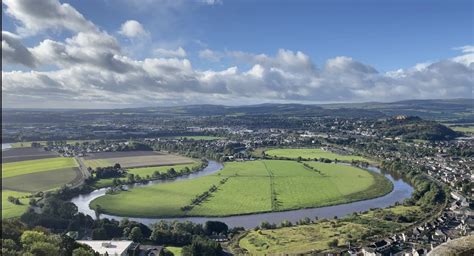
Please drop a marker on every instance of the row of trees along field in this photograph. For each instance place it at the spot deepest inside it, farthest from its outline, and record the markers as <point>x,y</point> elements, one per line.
<point>60,216</point>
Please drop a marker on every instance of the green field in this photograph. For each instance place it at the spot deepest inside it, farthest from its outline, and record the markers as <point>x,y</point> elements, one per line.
<point>311,153</point>
<point>143,172</point>
<point>10,210</point>
<point>175,250</point>
<point>41,181</point>
<point>315,237</point>
<point>465,129</point>
<point>253,186</point>
<point>33,166</point>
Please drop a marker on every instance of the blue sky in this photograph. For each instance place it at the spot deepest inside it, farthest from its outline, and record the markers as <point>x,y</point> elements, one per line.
<point>385,35</point>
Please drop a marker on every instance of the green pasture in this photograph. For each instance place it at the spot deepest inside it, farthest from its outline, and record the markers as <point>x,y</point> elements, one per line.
<point>10,210</point>
<point>252,186</point>
<point>33,166</point>
<point>311,153</point>
<point>143,172</point>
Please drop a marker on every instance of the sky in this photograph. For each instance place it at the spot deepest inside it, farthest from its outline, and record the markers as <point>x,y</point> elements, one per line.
<point>134,53</point>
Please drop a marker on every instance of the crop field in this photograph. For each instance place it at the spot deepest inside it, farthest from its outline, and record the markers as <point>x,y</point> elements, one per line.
<point>134,159</point>
<point>33,166</point>
<point>24,154</point>
<point>143,172</point>
<point>41,181</point>
<point>9,209</point>
<point>311,153</point>
<point>315,237</point>
<point>253,186</point>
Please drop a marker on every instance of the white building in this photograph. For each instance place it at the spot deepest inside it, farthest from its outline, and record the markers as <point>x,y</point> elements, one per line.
<point>112,248</point>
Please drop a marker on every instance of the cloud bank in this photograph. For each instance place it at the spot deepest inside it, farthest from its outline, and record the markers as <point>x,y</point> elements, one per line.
<point>90,69</point>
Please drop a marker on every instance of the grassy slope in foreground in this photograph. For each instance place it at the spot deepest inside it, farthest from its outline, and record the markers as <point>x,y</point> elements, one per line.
<point>315,237</point>
<point>10,210</point>
<point>311,153</point>
<point>33,166</point>
<point>143,172</point>
<point>249,190</point>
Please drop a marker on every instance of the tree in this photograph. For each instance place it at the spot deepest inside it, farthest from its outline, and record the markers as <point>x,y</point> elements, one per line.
<point>81,251</point>
<point>136,234</point>
<point>44,249</point>
<point>217,227</point>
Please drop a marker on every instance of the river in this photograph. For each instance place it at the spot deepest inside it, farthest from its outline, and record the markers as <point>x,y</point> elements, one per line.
<point>401,191</point>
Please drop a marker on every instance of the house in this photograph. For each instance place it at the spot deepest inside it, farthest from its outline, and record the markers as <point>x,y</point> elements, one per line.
<point>111,248</point>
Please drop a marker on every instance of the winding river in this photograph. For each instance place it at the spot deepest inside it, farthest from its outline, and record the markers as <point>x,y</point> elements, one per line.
<point>401,190</point>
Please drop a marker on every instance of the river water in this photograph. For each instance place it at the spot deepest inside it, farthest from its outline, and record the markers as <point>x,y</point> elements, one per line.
<point>401,191</point>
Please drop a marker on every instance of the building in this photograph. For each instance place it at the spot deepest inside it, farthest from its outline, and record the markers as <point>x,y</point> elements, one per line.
<point>112,248</point>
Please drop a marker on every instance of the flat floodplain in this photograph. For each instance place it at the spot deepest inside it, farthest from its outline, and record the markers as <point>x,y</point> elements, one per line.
<point>251,187</point>
<point>33,166</point>
<point>24,154</point>
<point>143,172</point>
<point>311,153</point>
<point>134,159</point>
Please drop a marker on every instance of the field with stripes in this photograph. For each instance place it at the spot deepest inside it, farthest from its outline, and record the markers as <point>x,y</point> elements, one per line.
<point>250,187</point>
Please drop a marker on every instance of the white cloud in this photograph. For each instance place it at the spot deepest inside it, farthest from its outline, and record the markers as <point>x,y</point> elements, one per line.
<point>166,53</point>
<point>92,70</point>
<point>36,16</point>
<point>133,29</point>
<point>14,52</point>
<point>211,2</point>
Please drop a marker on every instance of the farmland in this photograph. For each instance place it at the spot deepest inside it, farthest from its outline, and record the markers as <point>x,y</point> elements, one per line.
<point>33,166</point>
<point>23,154</point>
<point>143,172</point>
<point>315,237</point>
<point>311,153</point>
<point>250,187</point>
<point>21,177</point>
<point>133,159</point>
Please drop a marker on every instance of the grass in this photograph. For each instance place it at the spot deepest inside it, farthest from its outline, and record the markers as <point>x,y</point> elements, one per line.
<point>34,166</point>
<point>10,210</point>
<point>143,172</point>
<point>315,237</point>
<point>465,129</point>
<point>94,163</point>
<point>175,250</point>
<point>139,161</point>
<point>311,153</point>
<point>252,186</point>
<point>41,181</point>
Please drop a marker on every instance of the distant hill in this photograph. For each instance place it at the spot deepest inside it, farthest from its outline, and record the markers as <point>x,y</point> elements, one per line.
<point>415,128</point>
<point>451,110</point>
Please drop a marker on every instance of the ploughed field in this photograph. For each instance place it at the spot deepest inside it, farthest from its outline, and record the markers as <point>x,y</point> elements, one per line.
<point>249,187</point>
<point>133,159</point>
<point>23,154</point>
<point>311,153</point>
<point>23,177</point>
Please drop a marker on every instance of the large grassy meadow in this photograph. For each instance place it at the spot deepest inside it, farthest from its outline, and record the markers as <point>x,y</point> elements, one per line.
<point>311,153</point>
<point>252,186</point>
